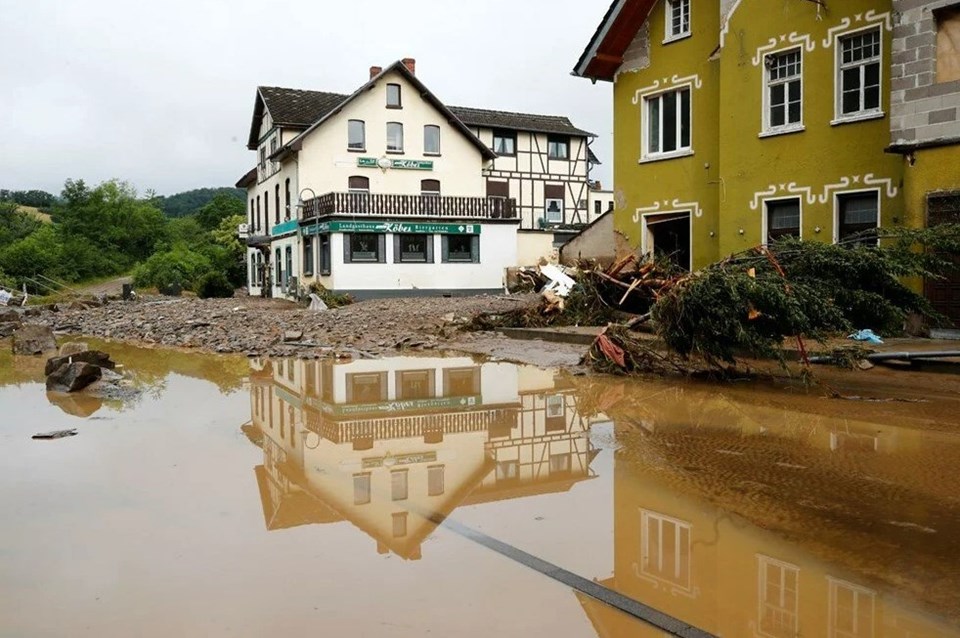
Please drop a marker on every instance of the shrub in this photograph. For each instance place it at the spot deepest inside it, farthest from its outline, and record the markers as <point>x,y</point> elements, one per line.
<point>178,267</point>
<point>214,285</point>
<point>332,299</point>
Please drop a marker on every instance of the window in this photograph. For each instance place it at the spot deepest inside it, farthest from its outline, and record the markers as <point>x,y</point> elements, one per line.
<point>252,217</point>
<point>398,485</point>
<point>430,187</point>
<point>361,489</point>
<point>266,209</point>
<point>399,524</point>
<point>851,609</point>
<point>783,218</point>
<point>415,384</point>
<point>276,204</point>
<point>394,137</point>
<point>856,213</point>
<point>948,43</point>
<point>678,19</point>
<point>276,264</point>
<point>263,160</point>
<point>253,270</point>
<point>366,387</point>
<point>505,142</point>
<point>258,212</point>
<point>508,470</point>
<point>409,248</point>
<point>288,271</point>
<point>784,93</point>
<point>431,140</point>
<point>461,382</point>
<point>358,184</point>
<point>668,123</point>
<point>558,147</point>
<point>364,247</point>
<point>435,480</point>
<point>554,209</point>
<point>498,189</point>
<point>461,248</point>
<point>307,255</point>
<point>393,96</point>
<point>356,135</point>
<point>287,198</point>
<point>859,74</point>
<point>597,207</point>
<point>665,550</point>
<point>559,463</point>
<point>779,598</point>
<point>323,247</point>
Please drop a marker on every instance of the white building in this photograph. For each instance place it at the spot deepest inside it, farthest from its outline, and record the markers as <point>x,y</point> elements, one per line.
<point>368,193</point>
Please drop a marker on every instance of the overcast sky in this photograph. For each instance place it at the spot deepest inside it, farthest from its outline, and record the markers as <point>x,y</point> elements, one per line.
<point>161,94</point>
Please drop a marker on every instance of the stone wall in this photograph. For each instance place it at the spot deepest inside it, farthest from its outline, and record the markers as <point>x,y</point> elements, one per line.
<point>922,109</point>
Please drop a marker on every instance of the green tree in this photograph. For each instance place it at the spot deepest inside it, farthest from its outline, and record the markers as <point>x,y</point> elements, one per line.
<point>235,252</point>
<point>179,266</point>
<point>15,224</point>
<point>220,207</point>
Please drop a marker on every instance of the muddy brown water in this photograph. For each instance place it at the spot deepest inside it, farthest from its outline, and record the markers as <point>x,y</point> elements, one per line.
<point>255,498</point>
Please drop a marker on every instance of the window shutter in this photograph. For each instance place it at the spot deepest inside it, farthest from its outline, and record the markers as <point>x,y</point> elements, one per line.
<point>430,240</point>
<point>497,188</point>
<point>396,248</point>
<point>475,249</point>
<point>444,249</point>
<point>553,191</point>
<point>382,249</point>
<point>347,257</point>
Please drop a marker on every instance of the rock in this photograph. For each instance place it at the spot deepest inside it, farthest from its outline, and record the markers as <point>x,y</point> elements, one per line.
<point>33,340</point>
<point>292,335</point>
<point>73,347</point>
<point>93,357</point>
<point>72,377</point>
<point>80,404</point>
<point>9,315</point>
<point>8,328</point>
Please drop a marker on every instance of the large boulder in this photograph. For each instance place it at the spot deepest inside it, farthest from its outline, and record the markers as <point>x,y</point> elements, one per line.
<point>33,340</point>
<point>7,328</point>
<point>72,377</point>
<point>72,347</point>
<point>9,315</point>
<point>93,357</point>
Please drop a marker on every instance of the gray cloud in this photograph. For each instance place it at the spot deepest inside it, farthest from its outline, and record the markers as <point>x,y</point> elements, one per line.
<point>161,94</point>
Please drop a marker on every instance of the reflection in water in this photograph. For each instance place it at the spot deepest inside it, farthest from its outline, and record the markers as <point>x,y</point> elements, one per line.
<point>394,446</point>
<point>739,512</point>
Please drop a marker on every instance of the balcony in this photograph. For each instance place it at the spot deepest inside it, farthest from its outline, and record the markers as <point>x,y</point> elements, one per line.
<point>382,205</point>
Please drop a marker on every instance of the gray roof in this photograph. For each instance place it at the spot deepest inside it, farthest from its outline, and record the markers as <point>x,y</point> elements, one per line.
<point>296,107</point>
<point>518,121</point>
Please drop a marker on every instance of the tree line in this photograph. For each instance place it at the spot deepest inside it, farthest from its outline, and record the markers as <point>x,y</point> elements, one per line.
<point>110,229</point>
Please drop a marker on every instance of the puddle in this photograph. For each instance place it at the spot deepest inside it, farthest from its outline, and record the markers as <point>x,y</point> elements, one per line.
<point>442,495</point>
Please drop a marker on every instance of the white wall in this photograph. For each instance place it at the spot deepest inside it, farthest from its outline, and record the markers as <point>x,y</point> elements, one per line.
<point>326,164</point>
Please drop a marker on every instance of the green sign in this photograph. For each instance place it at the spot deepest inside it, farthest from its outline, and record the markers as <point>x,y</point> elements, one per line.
<point>394,407</point>
<point>400,459</point>
<point>289,226</point>
<point>405,164</point>
<point>392,227</point>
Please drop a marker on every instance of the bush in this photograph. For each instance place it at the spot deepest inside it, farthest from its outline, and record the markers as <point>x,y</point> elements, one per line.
<point>332,299</point>
<point>214,285</point>
<point>178,267</point>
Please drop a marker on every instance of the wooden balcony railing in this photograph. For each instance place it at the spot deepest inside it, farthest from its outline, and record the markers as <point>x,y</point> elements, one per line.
<point>409,205</point>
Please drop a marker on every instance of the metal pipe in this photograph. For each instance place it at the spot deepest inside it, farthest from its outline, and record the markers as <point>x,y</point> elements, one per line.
<point>897,356</point>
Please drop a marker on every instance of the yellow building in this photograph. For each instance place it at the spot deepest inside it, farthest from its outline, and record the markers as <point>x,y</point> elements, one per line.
<point>736,121</point>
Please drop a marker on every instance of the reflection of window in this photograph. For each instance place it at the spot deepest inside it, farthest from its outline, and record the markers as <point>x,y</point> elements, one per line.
<point>854,442</point>
<point>556,413</point>
<point>431,140</point>
<point>508,470</point>
<point>366,387</point>
<point>779,598</point>
<point>504,142</point>
<point>461,382</point>
<point>310,377</point>
<point>361,489</point>
<point>364,247</point>
<point>851,610</point>
<point>399,524</point>
<point>858,212</point>
<point>665,548</point>
<point>415,384</point>
<point>461,248</point>
<point>783,218</point>
<point>435,480</point>
<point>398,485</point>
<point>559,463</point>
<point>858,74</point>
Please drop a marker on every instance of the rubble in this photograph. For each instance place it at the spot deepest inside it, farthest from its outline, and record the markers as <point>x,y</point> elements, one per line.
<point>33,339</point>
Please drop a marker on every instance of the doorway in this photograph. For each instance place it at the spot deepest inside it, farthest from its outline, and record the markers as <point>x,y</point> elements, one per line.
<point>944,294</point>
<point>668,235</point>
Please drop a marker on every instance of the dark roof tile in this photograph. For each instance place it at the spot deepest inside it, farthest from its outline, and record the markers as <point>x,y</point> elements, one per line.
<point>518,121</point>
<point>296,107</point>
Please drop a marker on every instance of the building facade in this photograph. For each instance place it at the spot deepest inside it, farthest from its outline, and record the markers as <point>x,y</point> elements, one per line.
<point>735,123</point>
<point>924,122</point>
<point>368,193</point>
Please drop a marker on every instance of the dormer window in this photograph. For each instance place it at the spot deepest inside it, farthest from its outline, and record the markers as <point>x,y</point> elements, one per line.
<point>393,96</point>
<point>558,147</point>
<point>678,19</point>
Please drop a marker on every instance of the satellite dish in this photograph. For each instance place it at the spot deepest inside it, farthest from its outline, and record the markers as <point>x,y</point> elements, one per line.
<point>384,163</point>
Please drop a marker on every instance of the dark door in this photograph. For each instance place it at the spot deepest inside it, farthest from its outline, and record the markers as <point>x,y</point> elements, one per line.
<point>944,294</point>
<point>671,237</point>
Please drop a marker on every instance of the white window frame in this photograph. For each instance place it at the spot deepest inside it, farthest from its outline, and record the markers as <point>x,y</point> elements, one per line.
<point>426,128</point>
<point>763,223</point>
<point>839,116</point>
<point>363,136</point>
<point>861,596</point>
<point>669,7</point>
<point>645,154</point>
<point>836,208</point>
<point>546,210</point>
<point>682,581</point>
<point>396,151</point>
<point>790,127</point>
<point>646,235</point>
<point>762,602</point>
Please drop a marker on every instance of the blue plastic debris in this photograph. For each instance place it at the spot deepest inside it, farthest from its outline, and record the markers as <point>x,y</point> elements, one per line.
<point>865,335</point>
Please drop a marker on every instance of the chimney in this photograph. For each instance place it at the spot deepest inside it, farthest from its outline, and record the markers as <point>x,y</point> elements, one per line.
<point>375,71</point>
<point>411,65</point>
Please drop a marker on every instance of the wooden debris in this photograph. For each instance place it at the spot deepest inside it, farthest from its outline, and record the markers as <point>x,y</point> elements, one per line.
<point>56,434</point>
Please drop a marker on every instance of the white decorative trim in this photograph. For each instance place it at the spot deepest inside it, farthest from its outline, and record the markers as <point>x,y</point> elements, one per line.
<point>842,184</point>
<point>648,209</point>
<point>867,180</point>
<point>892,190</point>
<point>784,42</point>
<point>869,18</point>
<point>783,191</point>
<point>667,206</point>
<point>726,23</point>
<point>668,83</point>
<point>760,195</point>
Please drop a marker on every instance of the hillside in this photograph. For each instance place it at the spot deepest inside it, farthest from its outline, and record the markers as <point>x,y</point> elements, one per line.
<point>35,212</point>
<point>189,202</point>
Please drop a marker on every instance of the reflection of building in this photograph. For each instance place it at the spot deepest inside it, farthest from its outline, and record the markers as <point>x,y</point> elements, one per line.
<point>688,492</point>
<point>394,446</point>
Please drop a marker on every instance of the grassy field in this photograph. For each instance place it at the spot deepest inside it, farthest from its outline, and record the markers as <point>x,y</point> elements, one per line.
<point>36,213</point>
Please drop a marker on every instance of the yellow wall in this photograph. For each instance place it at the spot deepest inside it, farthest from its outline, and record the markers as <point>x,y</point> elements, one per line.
<point>671,184</point>
<point>934,169</point>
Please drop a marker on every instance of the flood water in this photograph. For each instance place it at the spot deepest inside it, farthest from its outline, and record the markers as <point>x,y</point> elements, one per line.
<point>274,498</point>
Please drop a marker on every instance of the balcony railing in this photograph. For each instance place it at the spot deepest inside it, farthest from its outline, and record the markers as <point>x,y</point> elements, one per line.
<point>409,205</point>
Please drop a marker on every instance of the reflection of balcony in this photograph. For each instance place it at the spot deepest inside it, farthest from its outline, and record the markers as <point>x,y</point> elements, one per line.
<point>384,205</point>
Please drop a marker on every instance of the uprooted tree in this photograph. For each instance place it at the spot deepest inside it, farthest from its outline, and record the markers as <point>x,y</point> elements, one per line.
<point>750,304</point>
